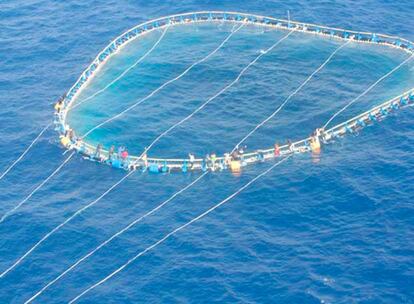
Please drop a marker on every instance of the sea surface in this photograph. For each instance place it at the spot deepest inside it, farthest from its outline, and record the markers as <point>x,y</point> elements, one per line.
<point>332,229</point>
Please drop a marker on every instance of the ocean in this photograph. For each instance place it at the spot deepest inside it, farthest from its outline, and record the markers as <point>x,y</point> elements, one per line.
<point>336,229</point>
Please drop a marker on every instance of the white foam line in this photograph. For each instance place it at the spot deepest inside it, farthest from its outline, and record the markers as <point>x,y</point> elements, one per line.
<point>7,214</point>
<point>126,71</point>
<point>44,238</point>
<point>176,230</point>
<point>292,94</point>
<point>163,85</point>
<point>113,237</point>
<point>216,95</point>
<point>25,152</point>
<point>367,90</point>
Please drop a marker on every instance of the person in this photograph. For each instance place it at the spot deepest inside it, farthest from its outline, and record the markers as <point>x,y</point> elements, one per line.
<point>227,159</point>
<point>204,166</point>
<point>59,105</point>
<point>319,132</point>
<point>260,155</point>
<point>277,150</point>
<point>291,145</point>
<point>71,135</point>
<point>124,154</point>
<point>241,151</point>
<point>98,152</point>
<point>324,136</point>
<point>191,159</point>
<point>213,159</point>
<point>221,164</point>
<point>207,160</point>
<point>79,145</point>
<point>235,154</point>
<point>120,150</point>
<point>145,158</point>
<point>111,152</point>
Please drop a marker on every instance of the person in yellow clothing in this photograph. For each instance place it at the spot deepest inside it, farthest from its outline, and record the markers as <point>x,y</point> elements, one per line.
<point>59,105</point>
<point>315,143</point>
<point>65,141</point>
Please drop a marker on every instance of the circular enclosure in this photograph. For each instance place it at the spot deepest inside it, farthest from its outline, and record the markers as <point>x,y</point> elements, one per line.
<point>199,82</point>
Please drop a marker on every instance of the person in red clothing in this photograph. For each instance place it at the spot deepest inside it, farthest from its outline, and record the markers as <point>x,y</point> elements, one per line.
<point>277,150</point>
<point>124,154</point>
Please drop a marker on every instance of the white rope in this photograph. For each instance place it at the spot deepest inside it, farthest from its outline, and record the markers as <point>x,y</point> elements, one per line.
<point>157,242</point>
<point>126,71</point>
<point>113,237</point>
<point>291,95</point>
<point>216,95</point>
<point>63,224</point>
<point>177,230</point>
<point>137,220</point>
<point>177,193</point>
<point>163,85</point>
<point>367,90</point>
<point>7,214</point>
<point>165,202</point>
<point>25,152</point>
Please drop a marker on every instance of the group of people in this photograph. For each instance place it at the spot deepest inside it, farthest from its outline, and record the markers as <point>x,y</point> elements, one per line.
<point>70,140</point>
<point>118,157</point>
<point>211,161</point>
<point>315,140</point>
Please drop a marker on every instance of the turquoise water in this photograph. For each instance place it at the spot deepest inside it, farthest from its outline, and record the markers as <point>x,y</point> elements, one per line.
<point>335,231</point>
<point>234,113</point>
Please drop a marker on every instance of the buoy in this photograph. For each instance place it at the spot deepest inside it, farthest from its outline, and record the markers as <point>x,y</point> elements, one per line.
<point>235,166</point>
<point>361,123</point>
<point>65,141</point>
<point>315,145</point>
<point>153,168</point>
<point>58,106</point>
<point>164,168</point>
<point>204,166</point>
<point>184,168</point>
<point>404,101</point>
<point>116,163</point>
<point>395,106</point>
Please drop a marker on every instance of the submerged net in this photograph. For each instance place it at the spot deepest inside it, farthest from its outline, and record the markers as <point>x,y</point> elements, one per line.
<point>200,83</point>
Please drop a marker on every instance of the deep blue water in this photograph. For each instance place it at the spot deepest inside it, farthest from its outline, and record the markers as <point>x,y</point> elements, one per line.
<point>334,231</point>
